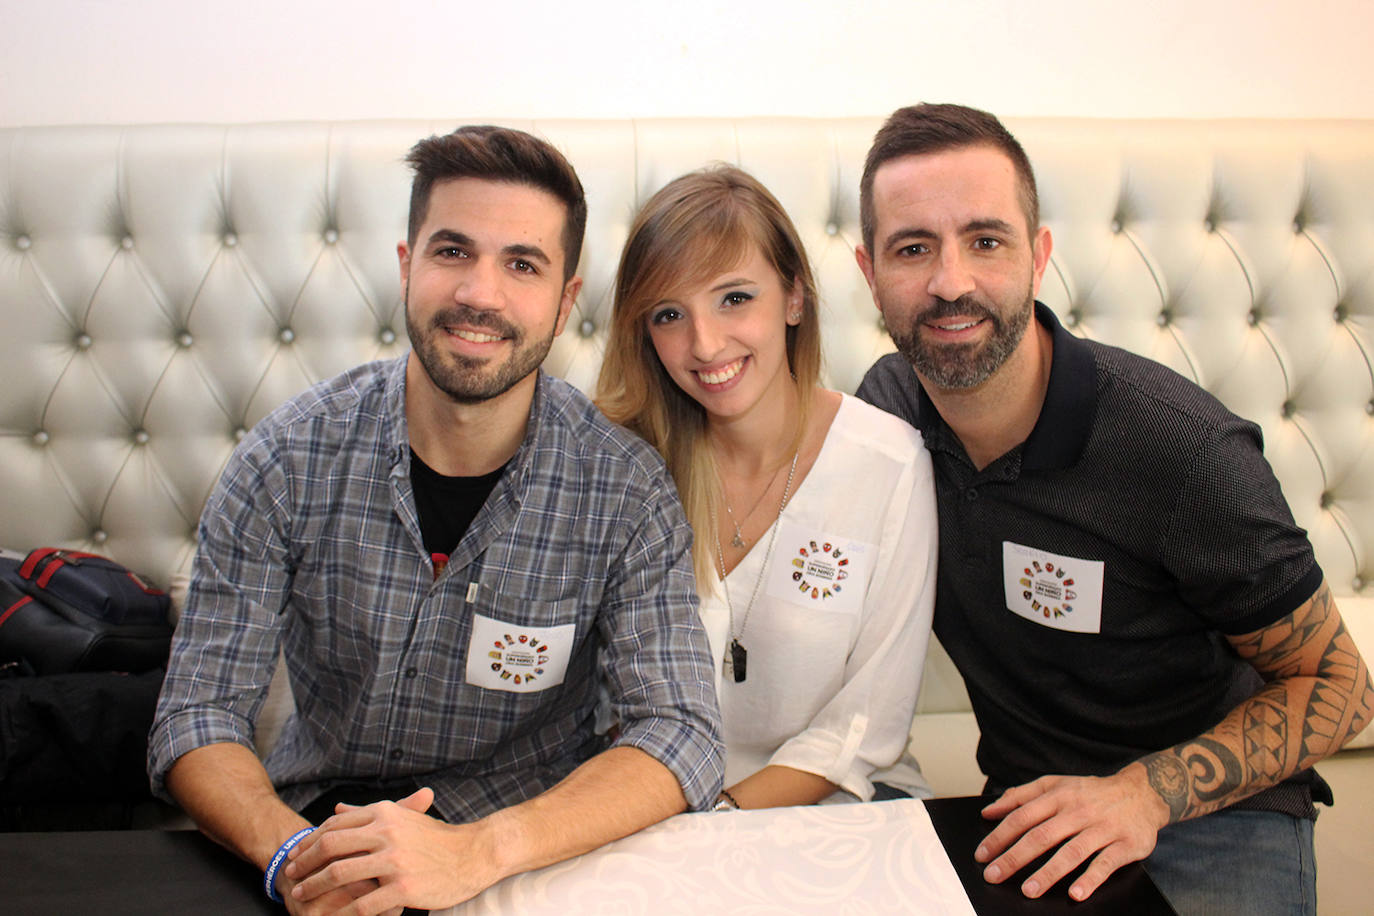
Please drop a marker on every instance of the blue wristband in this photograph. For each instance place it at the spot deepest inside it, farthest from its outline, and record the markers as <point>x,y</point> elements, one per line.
<point>269,877</point>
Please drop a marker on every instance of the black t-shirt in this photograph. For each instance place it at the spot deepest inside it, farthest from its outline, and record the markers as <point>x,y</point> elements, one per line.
<point>1088,577</point>
<point>446,506</point>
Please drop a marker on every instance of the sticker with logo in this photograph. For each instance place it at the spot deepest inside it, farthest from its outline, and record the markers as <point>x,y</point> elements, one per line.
<point>819,570</point>
<point>516,658</point>
<point>1064,593</point>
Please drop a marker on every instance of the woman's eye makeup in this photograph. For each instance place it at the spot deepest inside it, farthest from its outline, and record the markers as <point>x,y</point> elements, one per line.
<point>663,315</point>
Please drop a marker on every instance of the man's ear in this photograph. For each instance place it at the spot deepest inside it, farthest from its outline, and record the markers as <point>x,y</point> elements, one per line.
<point>866,266</point>
<point>403,257</point>
<point>1041,247</point>
<point>570,291</point>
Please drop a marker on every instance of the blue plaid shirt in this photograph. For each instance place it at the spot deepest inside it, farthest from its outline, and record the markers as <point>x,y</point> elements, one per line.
<point>311,543</point>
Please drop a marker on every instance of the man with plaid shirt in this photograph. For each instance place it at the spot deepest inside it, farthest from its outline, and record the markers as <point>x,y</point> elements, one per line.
<point>451,550</point>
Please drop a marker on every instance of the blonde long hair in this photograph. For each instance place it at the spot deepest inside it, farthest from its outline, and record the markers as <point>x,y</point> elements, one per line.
<point>694,228</point>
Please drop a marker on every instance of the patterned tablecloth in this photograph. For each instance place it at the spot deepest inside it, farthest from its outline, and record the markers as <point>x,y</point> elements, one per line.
<point>828,859</point>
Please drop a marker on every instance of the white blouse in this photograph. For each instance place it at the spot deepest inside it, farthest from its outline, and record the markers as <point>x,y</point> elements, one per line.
<point>836,639</point>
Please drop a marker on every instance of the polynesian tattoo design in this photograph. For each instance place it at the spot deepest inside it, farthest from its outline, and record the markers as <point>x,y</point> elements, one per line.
<point>1266,739</point>
<point>1229,762</point>
<point>1326,711</point>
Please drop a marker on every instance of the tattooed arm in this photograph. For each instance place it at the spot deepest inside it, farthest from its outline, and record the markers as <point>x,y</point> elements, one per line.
<point>1317,696</point>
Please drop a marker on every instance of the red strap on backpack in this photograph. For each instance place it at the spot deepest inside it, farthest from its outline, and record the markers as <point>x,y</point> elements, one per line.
<point>34,558</point>
<point>53,559</point>
<point>14,607</point>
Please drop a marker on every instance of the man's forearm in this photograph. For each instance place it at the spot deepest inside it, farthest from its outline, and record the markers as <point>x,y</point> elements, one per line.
<point>615,794</point>
<point>1319,698</point>
<point>226,791</point>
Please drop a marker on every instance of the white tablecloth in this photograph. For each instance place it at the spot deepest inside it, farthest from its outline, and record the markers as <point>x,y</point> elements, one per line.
<point>831,859</point>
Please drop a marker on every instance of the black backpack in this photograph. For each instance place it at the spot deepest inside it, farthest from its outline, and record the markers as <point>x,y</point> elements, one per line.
<point>63,611</point>
<point>83,642</point>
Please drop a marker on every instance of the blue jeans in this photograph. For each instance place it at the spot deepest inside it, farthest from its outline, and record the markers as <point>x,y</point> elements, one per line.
<point>1232,862</point>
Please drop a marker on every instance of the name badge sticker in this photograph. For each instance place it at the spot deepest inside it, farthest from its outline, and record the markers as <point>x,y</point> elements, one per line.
<point>515,658</point>
<point>820,571</point>
<point>1063,593</point>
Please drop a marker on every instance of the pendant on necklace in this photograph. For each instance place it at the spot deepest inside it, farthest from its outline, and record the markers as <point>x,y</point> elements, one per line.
<point>737,541</point>
<point>736,661</point>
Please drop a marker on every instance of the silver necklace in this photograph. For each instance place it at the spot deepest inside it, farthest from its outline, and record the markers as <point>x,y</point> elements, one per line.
<point>738,540</point>
<point>736,660</point>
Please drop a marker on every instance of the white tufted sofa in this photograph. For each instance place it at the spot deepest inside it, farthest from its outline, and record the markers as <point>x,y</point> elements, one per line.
<point>163,287</point>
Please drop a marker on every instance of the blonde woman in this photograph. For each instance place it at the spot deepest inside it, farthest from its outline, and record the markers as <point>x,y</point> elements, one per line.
<point>814,513</point>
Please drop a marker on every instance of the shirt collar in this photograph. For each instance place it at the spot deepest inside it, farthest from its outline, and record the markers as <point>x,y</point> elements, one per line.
<point>517,467</point>
<point>398,434</point>
<point>1066,418</point>
<point>399,438</point>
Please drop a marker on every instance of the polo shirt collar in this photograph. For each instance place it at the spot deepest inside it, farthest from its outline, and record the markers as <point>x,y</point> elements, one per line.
<point>1066,418</point>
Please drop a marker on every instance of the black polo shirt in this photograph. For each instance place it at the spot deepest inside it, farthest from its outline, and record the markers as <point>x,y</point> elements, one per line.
<point>1089,576</point>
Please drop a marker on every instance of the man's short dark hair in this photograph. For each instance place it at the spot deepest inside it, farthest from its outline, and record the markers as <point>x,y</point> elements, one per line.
<point>928,128</point>
<point>498,154</point>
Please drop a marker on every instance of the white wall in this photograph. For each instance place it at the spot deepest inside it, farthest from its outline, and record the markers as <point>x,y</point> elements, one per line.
<point>80,61</point>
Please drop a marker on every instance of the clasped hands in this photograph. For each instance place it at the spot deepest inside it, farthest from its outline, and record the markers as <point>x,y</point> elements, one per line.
<point>380,858</point>
<point>1114,820</point>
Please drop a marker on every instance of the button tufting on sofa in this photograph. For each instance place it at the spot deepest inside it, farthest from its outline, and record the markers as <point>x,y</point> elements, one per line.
<point>228,306</point>
<point>1238,253</point>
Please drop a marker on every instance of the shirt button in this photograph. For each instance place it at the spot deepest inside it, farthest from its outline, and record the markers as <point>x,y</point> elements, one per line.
<point>970,494</point>
<point>411,672</point>
<point>397,753</point>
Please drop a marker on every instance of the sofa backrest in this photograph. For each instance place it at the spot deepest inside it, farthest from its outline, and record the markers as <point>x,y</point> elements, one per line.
<point>163,287</point>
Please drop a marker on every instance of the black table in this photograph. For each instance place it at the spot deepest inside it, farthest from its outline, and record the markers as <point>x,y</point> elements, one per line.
<point>1128,892</point>
<point>109,873</point>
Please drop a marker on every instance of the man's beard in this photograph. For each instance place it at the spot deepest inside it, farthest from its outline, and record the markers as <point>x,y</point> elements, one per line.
<point>960,366</point>
<point>466,380</point>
